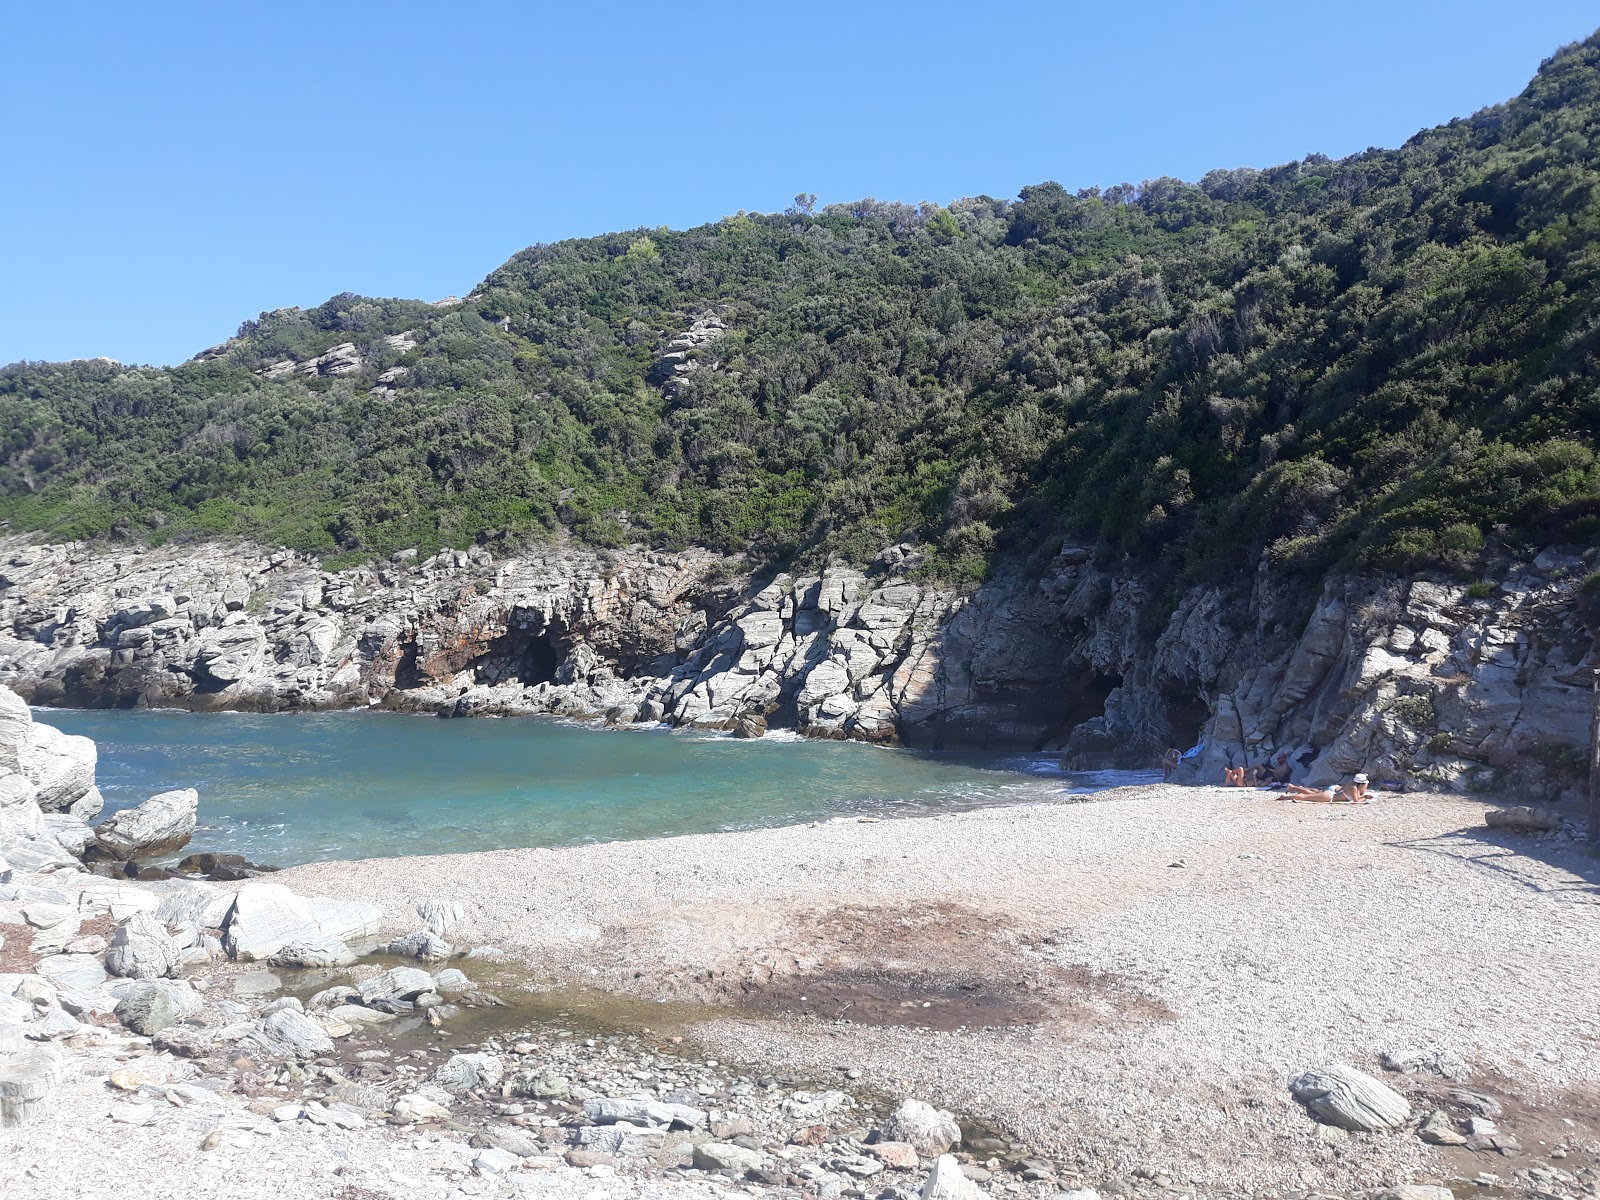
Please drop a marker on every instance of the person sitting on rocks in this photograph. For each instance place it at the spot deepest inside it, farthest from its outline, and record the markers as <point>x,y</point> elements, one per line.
<point>1233,776</point>
<point>1169,763</point>
<point>1277,775</point>
<point>1354,792</point>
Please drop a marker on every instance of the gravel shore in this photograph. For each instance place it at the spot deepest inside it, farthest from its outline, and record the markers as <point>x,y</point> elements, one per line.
<point>1127,982</point>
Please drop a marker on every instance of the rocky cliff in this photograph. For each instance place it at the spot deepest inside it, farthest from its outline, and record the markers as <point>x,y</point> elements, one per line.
<point>1407,679</point>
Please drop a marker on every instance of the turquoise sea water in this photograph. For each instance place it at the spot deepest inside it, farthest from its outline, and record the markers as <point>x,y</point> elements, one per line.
<point>291,788</point>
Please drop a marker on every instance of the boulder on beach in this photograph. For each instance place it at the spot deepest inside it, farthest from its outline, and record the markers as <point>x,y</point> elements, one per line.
<point>930,1131</point>
<point>286,1034</point>
<point>163,823</point>
<point>28,1074</point>
<point>320,951</point>
<point>946,1182</point>
<point>397,983</point>
<point>423,945</point>
<point>1525,818</point>
<point>439,916</point>
<point>463,1072</point>
<point>150,1006</point>
<point>266,917</point>
<point>141,948</point>
<point>15,722</point>
<point>60,765</point>
<point>1342,1096</point>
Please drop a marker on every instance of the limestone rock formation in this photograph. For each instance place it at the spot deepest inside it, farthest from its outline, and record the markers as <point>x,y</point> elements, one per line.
<point>946,1182</point>
<point>61,766</point>
<point>1342,1096</point>
<point>930,1131</point>
<point>266,917</point>
<point>1410,680</point>
<point>141,948</point>
<point>160,825</point>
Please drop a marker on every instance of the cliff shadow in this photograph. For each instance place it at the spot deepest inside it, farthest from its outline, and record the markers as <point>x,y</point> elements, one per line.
<point>1553,866</point>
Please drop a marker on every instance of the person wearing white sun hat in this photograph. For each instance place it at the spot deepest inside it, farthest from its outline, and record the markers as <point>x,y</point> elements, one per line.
<point>1354,792</point>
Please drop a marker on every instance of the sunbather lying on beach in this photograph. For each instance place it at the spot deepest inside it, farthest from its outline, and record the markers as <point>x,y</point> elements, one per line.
<point>1354,792</point>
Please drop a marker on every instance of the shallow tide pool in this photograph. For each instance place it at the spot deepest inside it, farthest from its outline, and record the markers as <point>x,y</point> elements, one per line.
<point>291,788</point>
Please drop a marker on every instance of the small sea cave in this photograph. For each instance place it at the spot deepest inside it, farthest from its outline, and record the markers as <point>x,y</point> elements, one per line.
<point>1088,738</point>
<point>1085,699</point>
<point>1186,715</point>
<point>526,653</point>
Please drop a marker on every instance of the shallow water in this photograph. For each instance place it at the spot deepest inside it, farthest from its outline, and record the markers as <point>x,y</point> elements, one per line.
<point>292,788</point>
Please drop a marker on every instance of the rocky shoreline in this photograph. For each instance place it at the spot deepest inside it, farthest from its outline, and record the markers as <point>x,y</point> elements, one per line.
<point>1432,683</point>
<point>800,1011</point>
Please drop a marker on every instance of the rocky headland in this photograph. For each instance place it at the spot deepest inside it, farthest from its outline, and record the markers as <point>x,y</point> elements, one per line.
<point>1428,683</point>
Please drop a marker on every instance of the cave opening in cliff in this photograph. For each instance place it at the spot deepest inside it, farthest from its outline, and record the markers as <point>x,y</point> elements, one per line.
<point>1086,699</point>
<point>526,656</point>
<point>1186,714</point>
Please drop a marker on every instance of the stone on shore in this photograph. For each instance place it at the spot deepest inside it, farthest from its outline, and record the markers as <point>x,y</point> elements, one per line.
<point>946,1182</point>
<point>72,834</point>
<point>414,1109</point>
<point>463,1072</point>
<point>1444,1063</point>
<point>901,1156</point>
<point>439,916</point>
<point>266,917</point>
<point>602,1110</point>
<point>622,1138</point>
<point>60,765</point>
<point>725,1156</point>
<point>928,1130</point>
<point>317,951</point>
<point>27,1077</point>
<point>287,1033</point>
<point>1524,818</point>
<point>151,1006</point>
<point>163,823</point>
<point>1342,1096</point>
<point>397,983</point>
<point>423,945</point>
<point>141,948</point>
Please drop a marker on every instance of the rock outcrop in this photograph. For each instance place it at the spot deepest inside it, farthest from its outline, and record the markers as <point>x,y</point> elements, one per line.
<point>1342,1096</point>
<point>160,825</point>
<point>1420,680</point>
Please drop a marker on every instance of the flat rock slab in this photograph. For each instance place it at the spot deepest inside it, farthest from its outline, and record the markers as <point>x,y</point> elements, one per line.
<point>266,917</point>
<point>27,1077</point>
<point>1342,1096</point>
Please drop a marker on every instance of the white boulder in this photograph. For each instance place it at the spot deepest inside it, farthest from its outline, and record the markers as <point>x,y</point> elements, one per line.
<point>163,823</point>
<point>141,948</point>
<point>15,723</point>
<point>946,1182</point>
<point>931,1131</point>
<point>60,765</point>
<point>266,917</point>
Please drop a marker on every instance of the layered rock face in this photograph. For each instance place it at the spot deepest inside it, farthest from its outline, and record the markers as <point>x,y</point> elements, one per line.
<point>1401,679</point>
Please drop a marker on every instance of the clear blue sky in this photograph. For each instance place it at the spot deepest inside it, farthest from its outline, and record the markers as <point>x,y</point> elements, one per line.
<point>174,168</point>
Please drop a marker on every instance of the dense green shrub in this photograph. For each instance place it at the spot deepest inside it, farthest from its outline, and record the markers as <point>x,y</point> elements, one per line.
<point>1390,360</point>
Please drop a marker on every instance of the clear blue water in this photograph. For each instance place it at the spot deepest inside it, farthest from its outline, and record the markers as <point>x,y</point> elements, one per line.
<point>290,788</point>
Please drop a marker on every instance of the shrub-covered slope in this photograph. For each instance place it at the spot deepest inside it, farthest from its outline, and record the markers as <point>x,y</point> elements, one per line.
<point>1389,360</point>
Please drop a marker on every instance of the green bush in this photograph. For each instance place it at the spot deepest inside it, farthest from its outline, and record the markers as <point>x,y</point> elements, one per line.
<point>1385,360</point>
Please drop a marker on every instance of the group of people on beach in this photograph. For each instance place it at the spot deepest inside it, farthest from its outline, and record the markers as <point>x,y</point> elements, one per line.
<point>1275,777</point>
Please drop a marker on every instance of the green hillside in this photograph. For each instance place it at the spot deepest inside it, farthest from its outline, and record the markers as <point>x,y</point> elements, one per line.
<point>1391,360</point>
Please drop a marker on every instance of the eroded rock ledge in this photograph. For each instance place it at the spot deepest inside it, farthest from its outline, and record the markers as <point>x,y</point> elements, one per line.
<point>1404,679</point>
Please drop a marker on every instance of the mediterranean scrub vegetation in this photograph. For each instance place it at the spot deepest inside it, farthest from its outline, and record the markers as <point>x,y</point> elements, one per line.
<point>1386,361</point>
